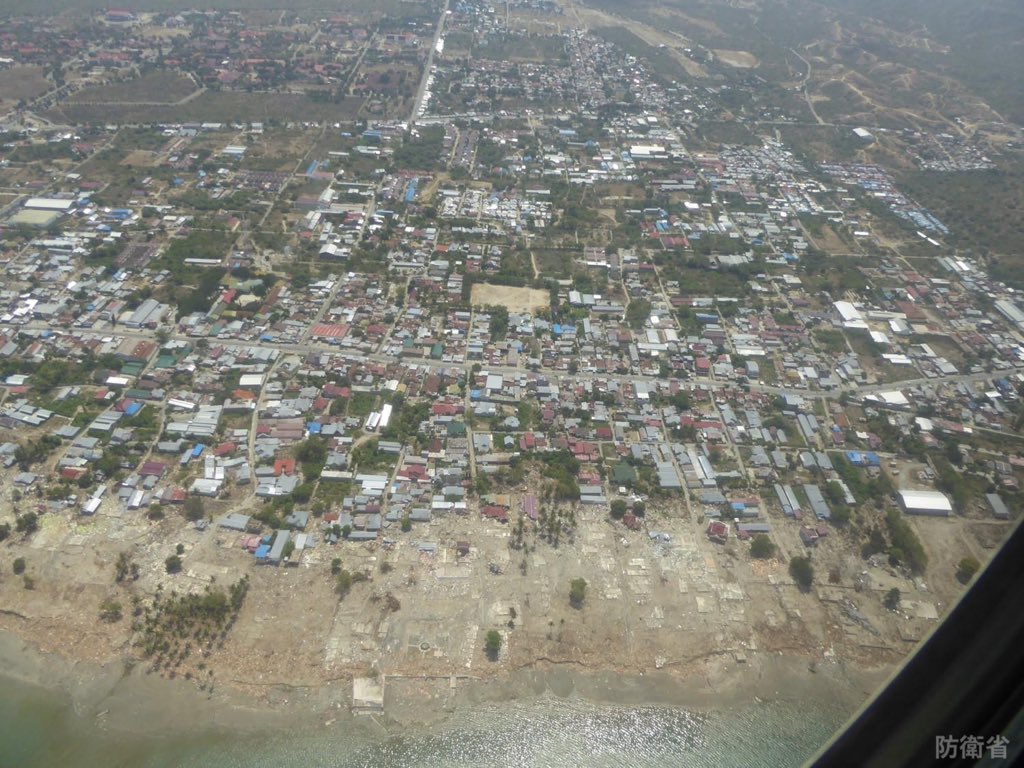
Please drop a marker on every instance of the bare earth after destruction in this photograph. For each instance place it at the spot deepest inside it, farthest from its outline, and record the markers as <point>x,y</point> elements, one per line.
<point>705,620</point>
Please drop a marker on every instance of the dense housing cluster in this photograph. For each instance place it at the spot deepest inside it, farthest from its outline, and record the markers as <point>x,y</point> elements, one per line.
<point>454,305</point>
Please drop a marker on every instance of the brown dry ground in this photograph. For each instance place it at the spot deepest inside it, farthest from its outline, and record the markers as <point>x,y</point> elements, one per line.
<point>21,83</point>
<point>515,299</point>
<point>676,607</point>
<point>140,158</point>
<point>225,106</point>
<point>828,241</point>
<point>738,59</point>
<point>165,87</point>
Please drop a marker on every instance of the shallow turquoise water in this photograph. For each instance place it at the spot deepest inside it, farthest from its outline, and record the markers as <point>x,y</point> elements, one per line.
<point>38,728</point>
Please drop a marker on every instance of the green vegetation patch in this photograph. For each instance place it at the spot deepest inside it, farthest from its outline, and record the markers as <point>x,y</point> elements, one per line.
<point>982,211</point>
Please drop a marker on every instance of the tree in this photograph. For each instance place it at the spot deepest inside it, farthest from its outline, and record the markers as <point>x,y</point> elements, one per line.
<point>179,549</point>
<point>336,566</point>
<point>802,571</point>
<point>840,515</point>
<point>195,509</point>
<point>834,492</point>
<point>492,644</point>
<point>892,599</point>
<point>482,484</point>
<point>406,524</point>
<point>762,547</point>
<point>5,531</point>
<point>896,556</point>
<point>173,564</point>
<point>110,610</point>
<point>966,569</point>
<point>345,581</point>
<point>618,509</point>
<point>906,541</point>
<point>124,568</point>
<point>312,454</point>
<point>637,313</point>
<point>27,523</point>
<point>289,548</point>
<point>577,592</point>
<point>19,566</point>
<point>303,493</point>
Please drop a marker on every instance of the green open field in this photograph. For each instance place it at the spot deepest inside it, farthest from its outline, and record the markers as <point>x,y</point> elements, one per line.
<point>552,263</point>
<point>982,210</point>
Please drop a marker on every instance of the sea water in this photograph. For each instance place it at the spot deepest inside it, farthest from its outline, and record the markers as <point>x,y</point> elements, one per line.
<point>39,728</point>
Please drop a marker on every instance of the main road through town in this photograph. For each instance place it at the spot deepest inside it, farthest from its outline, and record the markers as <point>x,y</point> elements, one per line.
<point>307,346</point>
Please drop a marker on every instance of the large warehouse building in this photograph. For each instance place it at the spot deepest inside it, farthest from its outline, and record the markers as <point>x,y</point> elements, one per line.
<point>925,503</point>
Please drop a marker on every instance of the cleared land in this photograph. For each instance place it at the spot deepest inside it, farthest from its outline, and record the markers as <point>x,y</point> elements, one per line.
<point>140,158</point>
<point>214,107</point>
<point>21,83</point>
<point>738,59</point>
<point>37,7</point>
<point>153,87</point>
<point>515,299</point>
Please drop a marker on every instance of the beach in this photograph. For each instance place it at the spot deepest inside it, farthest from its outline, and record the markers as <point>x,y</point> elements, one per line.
<point>119,707</point>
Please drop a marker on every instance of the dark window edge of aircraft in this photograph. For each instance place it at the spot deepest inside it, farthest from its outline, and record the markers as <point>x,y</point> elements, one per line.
<point>966,679</point>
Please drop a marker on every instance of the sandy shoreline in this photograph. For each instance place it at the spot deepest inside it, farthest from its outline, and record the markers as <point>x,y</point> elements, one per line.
<point>117,697</point>
<point>122,697</point>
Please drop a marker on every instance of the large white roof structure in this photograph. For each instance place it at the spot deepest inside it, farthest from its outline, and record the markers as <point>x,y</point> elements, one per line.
<point>926,502</point>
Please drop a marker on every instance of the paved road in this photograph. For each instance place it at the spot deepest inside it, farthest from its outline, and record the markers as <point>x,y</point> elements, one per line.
<point>307,345</point>
<point>429,66</point>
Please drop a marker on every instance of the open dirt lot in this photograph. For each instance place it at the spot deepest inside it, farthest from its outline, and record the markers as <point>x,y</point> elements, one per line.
<point>141,159</point>
<point>738,59</point>
<point>216,107</point>
<point>21,83</point>
<point>156,87</point>
<point>515,299</point>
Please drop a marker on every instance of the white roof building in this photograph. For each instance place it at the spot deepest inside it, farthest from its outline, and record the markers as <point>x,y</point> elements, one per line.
<point>925,503</point>
<point>851,316</point>
<point>250,381</point>
<point>49,203</point>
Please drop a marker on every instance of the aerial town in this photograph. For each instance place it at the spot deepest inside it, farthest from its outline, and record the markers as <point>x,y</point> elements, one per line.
<point>442,337</point>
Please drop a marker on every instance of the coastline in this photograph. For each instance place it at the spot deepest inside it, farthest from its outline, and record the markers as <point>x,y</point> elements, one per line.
<point>121,698</point>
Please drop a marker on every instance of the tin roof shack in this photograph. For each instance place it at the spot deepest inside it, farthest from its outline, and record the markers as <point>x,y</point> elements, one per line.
<point>931,503</point>
<point>277,549</point>
<point>718,532</point>
<point>234,522</point>
<point>998,506</point>
<point>817,502</point>
<point>746,531</point>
